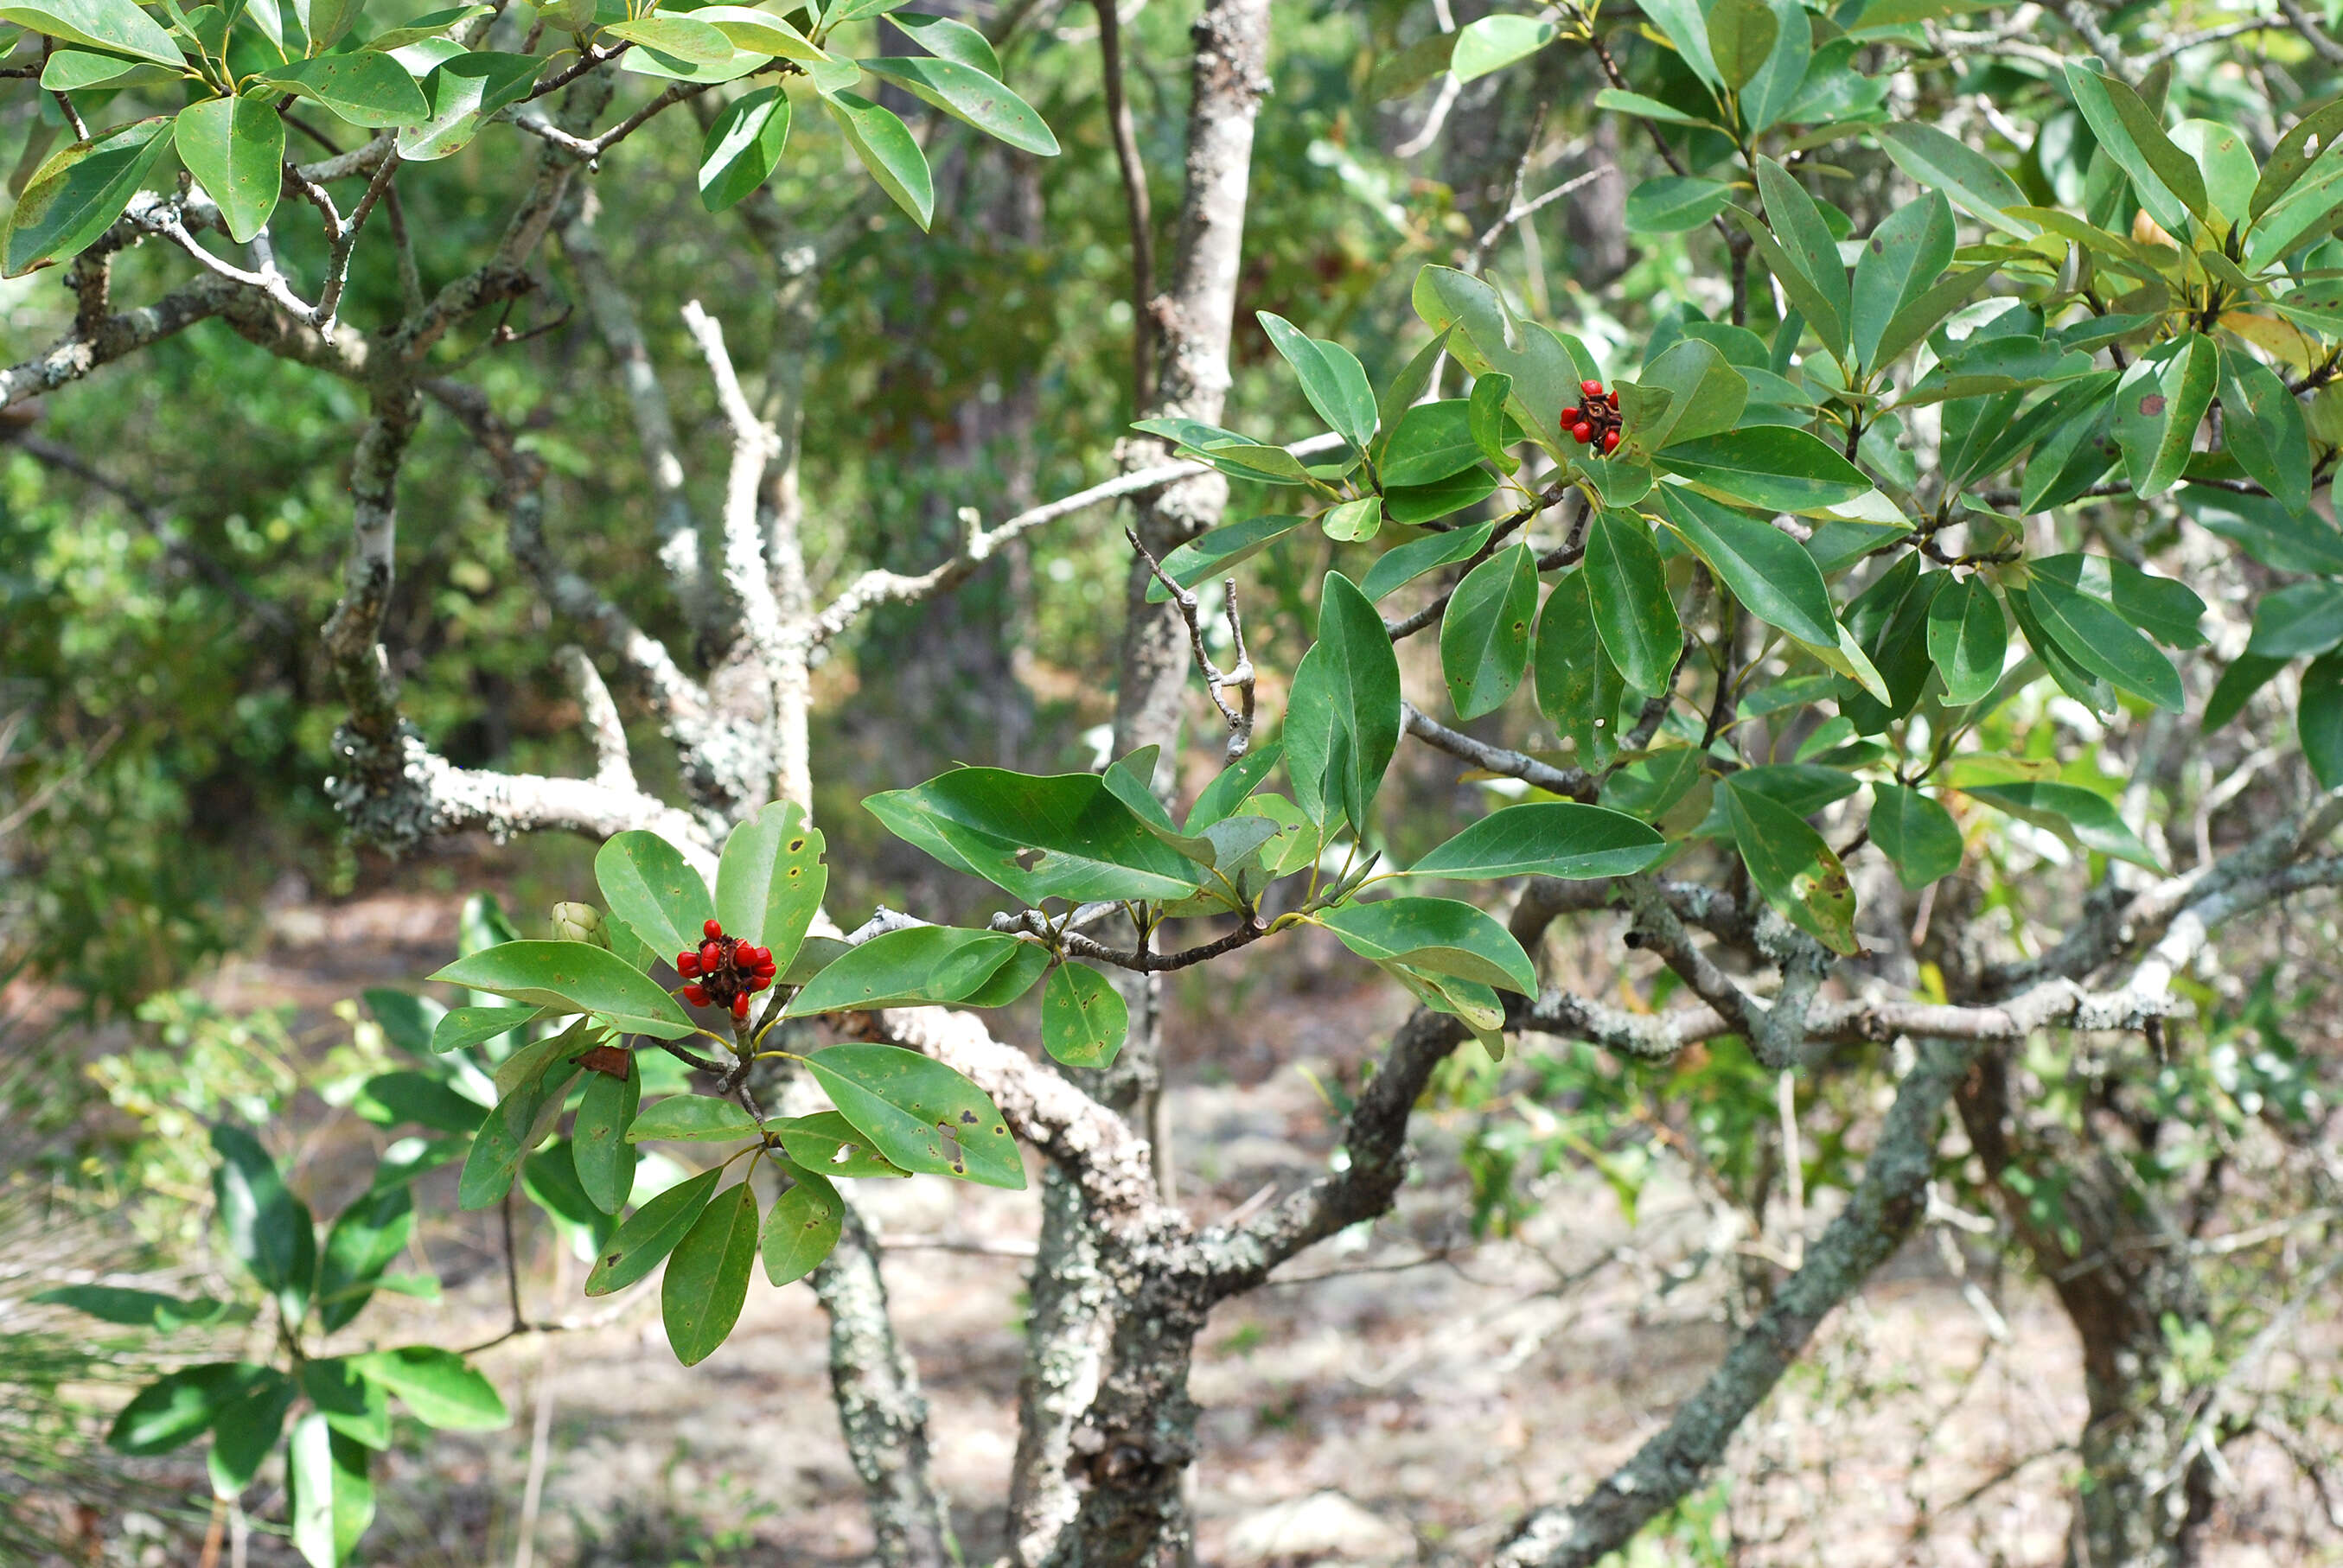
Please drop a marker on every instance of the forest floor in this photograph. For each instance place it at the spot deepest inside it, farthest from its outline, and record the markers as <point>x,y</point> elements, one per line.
<point>1398,1395</point>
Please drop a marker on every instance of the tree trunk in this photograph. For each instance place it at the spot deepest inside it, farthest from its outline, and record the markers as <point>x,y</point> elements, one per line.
<point>2121,1271</point>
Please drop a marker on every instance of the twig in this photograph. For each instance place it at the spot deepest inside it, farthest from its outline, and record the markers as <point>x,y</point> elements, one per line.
<point>1574,782</point>
<point>1136,207</point>
<point>1239,676</point>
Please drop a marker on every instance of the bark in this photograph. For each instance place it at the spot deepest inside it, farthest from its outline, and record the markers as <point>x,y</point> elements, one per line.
<point>2121,1268</point>
<point>879,1408</point>
<point>1880,1213</point>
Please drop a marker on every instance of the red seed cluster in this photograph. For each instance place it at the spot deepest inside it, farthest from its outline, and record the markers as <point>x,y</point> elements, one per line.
<point>1596,421</point>
<point>725,971</point>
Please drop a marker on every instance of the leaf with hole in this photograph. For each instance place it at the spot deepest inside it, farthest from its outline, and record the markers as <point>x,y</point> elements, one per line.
<point>919,1113</point>
<point>1083,1016</point>
<point>1792,866</point>
<point>649,1235</point>
<point>802,1227</point>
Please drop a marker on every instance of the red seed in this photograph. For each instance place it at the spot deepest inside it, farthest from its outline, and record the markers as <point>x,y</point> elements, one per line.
<point>767,968</point>
<point>760,983</point>
<point>711,957</point>
<point>687,964</point>
<point>740,1005</point>
<point>1615,399</point>
<point>1582,432</point>
<point>1592,389</point>
<point>1610,440</point>
<point>712,930</point>
<point>695,995</point>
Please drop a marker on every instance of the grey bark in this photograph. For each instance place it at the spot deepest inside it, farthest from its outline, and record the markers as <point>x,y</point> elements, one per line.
<point>880,1410</point>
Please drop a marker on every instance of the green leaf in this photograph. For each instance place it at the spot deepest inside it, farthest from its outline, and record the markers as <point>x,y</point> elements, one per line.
<point>2221,155</point>
<point>1413,378</point>
<point>601,1147</point>
<point>1441,935</point>
<point>1413,504</point>
<point>1770,573</point>
<point>1812,250</point>
<point>1741,34</point>
<point>1705,395</point>
<point>2319,719</point>
<point>2265,529</point>
<point>1920,316</point>
<point>1685,25</point>
<point>366,1238</point>
<point>574,978</point>
<point>1484,637</point>
<point>741,147</point>
<point>2262,426</point>
<point>1973,180</point>
<point>1646,108</point>
<point>690,1118</point>
<point>2070,810</point>
<point>2094,636</point>
<point>653,893</point>
<point>1354,521</point>
<point>77,193</point>
<point>244,1431</point>
<point>1579,689</point>
<point>708,1279</point>
<point>180,1406</point>
<point>2166,610</point>
<point>1230,786</point>
<point>953,40</point>
<point>2306,209</point>
<point>2166,180</point>
<point>1781,80</point>
<point>888,150</point>
<point>531,1082</point>
<point>1402,564</point>
<point>922,1115</point>
<point>915,966</point>
<point>2246,673</point>
<point>1083,1016</point>
<point>1493,43</point>
<point>1483,335</point>
<point>1901,261</point>
<point>1433,441</point>
<point>1062,836</point>
<point>1627,587</point>
<point>802,1228</point>
<point>1969,639</point>
<point>365,88</point>
<point>1210,554</point>
<point>358,1407</point>
<point>135,1309</point>
<point>2295,153</point>
<point>465,91</point>
<point>430,25</point>
<point>116,26</point>
<point>831,1144</point>
<point>331,1497</point>
<point>1773,468</point>
<point>649,1235</point>
<point>1547,838</point>
<point>1342,723</point>
<point>1332,380</point>
<point>2158,410</point>
<point>967,93</point>
<point>1797,872</point>
<point>2299,618</point>
<point>763,33</point>
<point>269,1229</point>
<point>437,1386</point>
<point>1916,834</point>
<point>770,882</point>
<point>694,43</point>
<point>1491,428</point>
<point>465,1027</point>
<point>388,1098</point>
<point>409,1022</point>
